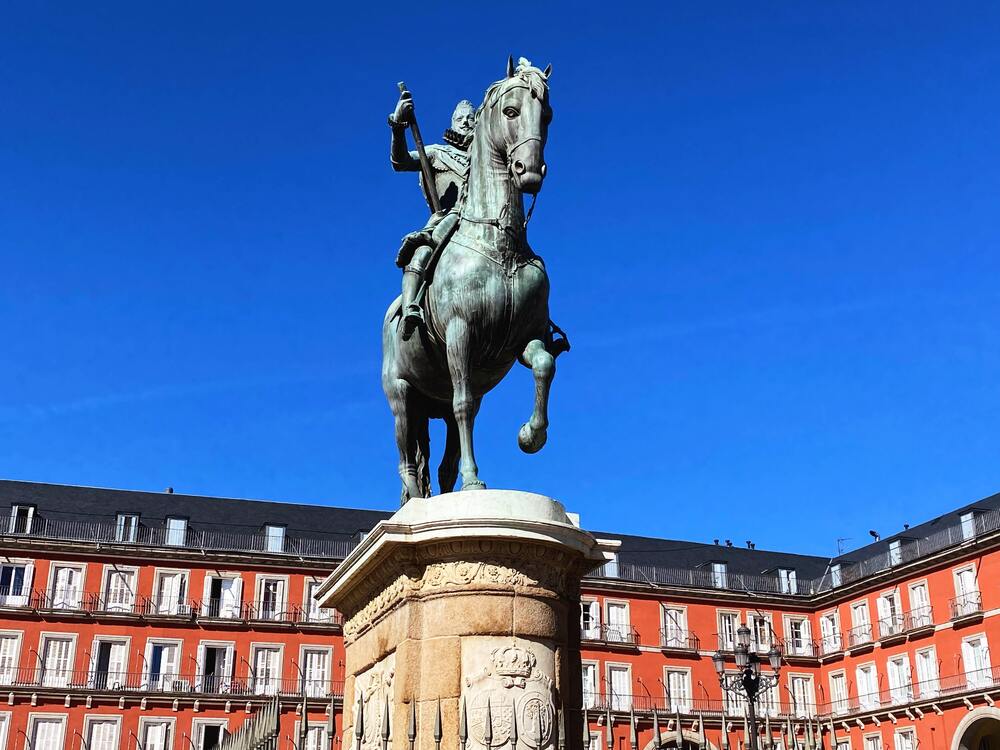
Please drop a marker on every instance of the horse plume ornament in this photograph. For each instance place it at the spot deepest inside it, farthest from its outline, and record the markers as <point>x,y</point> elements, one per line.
<point>485,300</point>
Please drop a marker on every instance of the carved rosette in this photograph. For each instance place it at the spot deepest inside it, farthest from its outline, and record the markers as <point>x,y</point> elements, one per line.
<point>472,565</point>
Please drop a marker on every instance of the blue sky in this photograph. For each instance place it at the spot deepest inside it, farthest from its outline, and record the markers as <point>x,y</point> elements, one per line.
<point>771,230</point>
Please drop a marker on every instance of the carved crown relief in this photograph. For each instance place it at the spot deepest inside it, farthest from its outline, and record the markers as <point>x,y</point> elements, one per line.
<point>509,698</point>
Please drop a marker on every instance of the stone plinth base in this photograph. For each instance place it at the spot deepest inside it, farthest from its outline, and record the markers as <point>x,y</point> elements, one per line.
<point>468,602</point>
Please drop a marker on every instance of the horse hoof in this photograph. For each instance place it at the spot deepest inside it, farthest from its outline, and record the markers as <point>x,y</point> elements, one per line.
<point>474,485</point>
<point>530,440</point>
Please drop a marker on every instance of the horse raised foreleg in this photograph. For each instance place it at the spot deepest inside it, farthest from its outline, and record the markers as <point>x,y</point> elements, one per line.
<point>457,342</point>
<point>531,436</point>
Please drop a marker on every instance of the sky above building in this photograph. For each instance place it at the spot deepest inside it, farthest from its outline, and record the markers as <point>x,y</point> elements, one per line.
<point>771,231</point>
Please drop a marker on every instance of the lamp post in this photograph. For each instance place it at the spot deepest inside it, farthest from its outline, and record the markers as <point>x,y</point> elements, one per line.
<point>749,682</point>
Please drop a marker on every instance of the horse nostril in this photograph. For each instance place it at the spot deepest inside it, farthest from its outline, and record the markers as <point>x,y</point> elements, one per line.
<point>545,169</point>
<point>519,166</point>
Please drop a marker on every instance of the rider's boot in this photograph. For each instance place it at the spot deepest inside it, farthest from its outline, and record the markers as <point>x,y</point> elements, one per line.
<point>413,276</point>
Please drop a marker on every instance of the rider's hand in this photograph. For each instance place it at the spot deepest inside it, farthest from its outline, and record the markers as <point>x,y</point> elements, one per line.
<point>404,108</point>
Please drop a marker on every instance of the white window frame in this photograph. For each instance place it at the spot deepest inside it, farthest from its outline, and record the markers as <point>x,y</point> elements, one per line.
<point>810,708</point>
<point>50,588</point>
<point>206,602</point>
<point>926,690</point>
<point>738,615</point>
<point>671,701</point>
<point>911,731</point>
<point>611,566</point>
<point>5,719</point>
<point>895,552</point>
<point>273,684</point>
<point>678,626</point>
<point>329,650</point>
<point>768,619</point>
<point>892,624</point>
<point>122,528</point>
<point>200,675</point>
<point>867,700</point>
<point>596,693</point>
<point>275,535</point>
<point>147,654</point>
<point>35,716</point>
<point>616,701</point>
<point>310,607</point>
<point>805,647</point>
<point>312,725</point>
<point>867,738</point>
<point>834,641</point>
<point>839,705</point>
<point>90,719</point>
<point>180,608</point>
<point>12,526</point>
<point>967,525</point>
<point>92,662</point>
<point>611,633</point>
<point>170,534</point>
<point>146,721</point>
<point>198,730</point>
<point>720,574</point>
<point>788,582</point>
<point>899,693</point>
<point>106,606</point>
<point>857,606</point>
<point>43,638</point>
<point>593,605</point>
<point>281,607</point>
<point>972,675</point>
<point>24,598</point>
<point>836,575</point>
<point>18,636</point>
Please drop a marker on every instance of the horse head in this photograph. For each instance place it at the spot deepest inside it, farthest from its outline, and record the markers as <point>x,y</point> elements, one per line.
<point>518,115</point>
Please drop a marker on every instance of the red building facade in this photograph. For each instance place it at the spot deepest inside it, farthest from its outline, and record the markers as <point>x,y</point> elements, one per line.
<point>149,621</point>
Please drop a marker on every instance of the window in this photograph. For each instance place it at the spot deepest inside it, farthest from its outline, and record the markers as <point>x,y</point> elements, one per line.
<point>590,620</point>
<point>4,728</point>
<point>126,527</point>
<point>314,612</point>
<point>619,630</point>
<point>838,693</point>
<point>735,702</point>
<point>119,590</point>
<point>967,601</point>
<point>162,661</point>
<point>861,632</point>
<point>968,526</point>
<point>270,598</point>
<point>787,582</point>
<point>316,668</point>
<point>873,742</point>
<point>836,576</point>
<point>15,583</point>
<point>10,653</point>
<point>720,575</point>
<point>176,532</point>
<point>274,538</point>
<point>21,518</point>
<point>678,682</point>
<point>802,695</point>
<point>215,667</point>
<point>156,734</point>
<point>266,669</point>
<point>102,733</point>
<point>589,680</point>
<point>611,567</point>
<point>798,642</point>
<point>976,658</point>
<point>595,741</point>
<point>760,632</point>
<point>170,592</point>
<point>895,552</point>
<point>905,739</point>
<point>674,633</point>
<point>921,614</point>
<point>208,733</point>
<point>316,738</point>
<point>66,589</point>
<point>927,673</point>
<point>829,629</point>
<point>898,668</point>
<point>222,596</point>
<point>108,664</point>
<point>728,623</point>
<point>57,660</point>
<point>867,682</point>
<point>620,687</point>
<point>47,732</point>
<point>890,616</point>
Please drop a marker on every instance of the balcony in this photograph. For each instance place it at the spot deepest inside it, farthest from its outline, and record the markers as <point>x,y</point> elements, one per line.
<point>967,608</point>
<point>644,704</point>
<point>800,650</point>
<point>679,641</point>
<point>919,621</point>
<point>623,636</point>
<point>860,638</point>
<point>891,630</point>
<point>832,644</point>
<point>150,684</point>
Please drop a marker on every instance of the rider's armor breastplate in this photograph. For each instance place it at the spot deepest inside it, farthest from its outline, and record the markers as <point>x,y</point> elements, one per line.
<point>451,170</point>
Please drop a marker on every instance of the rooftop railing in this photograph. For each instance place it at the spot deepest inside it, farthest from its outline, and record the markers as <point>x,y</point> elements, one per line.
<point>219,540</point>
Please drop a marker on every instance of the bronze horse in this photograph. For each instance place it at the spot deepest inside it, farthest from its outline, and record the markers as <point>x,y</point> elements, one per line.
<point>488,303</point>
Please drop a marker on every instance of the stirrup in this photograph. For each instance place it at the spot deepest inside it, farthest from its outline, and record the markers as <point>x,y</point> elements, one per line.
<point>413,316</point>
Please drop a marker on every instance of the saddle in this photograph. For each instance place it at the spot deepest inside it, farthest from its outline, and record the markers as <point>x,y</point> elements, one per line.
<point>435,235</point>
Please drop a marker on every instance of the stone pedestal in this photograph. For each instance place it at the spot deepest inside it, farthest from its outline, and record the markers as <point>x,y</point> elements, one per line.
<point>468,602</point>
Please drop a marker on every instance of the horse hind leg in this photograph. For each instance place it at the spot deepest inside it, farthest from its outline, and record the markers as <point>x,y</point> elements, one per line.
<point>448,470</point>
<point>532,434</point>
<point>400,396</point>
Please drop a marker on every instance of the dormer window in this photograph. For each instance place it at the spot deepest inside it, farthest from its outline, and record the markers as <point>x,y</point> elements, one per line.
<point>720,575</point>
<point>787,582</point>
<point>611,567</point>
<point>968,526</point>
<point>126,527</point>
<point>176,532</point>
<point>21,518</point>
<point>895,552</point>
<point>274,538</point>
<point>836,575</point>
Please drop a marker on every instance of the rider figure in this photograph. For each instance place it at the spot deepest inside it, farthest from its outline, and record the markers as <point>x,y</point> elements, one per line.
<point>449,163</point>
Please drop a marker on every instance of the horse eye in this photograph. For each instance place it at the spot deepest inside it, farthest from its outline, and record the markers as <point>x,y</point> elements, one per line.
<point>510,112</point>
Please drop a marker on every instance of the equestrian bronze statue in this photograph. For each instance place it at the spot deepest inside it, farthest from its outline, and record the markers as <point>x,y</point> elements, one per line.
<point>477,300</point>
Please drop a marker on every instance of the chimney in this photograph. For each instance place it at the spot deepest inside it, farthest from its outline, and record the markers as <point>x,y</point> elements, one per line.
<point>170,490</point>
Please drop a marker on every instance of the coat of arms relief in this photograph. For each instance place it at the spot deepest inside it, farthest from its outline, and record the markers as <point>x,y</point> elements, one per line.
<point>511,700</point>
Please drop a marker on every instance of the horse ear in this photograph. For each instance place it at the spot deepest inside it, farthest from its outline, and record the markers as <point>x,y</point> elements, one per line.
<point>510,66</point>
<point>548,70</point>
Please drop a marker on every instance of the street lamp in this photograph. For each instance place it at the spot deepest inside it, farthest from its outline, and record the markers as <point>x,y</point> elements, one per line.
<point>749,682</point>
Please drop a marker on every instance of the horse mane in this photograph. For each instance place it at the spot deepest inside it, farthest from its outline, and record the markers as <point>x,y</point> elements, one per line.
<point>527,74</point>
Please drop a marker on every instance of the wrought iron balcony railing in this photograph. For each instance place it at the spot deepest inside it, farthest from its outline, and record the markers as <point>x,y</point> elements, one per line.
<point>859,636</point>
<point>679,640</point>
<point>147,682</point>
<point>889,627</point>
<point>919,617</point>
<point>799,647</point>
<point>643,703</point>
<point>623,634</point>
<point>831,644</point>
<point>967,605</point>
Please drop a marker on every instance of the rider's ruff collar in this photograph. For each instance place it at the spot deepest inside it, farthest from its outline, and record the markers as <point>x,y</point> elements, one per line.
<point>456,139</point>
